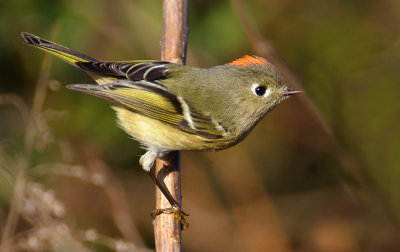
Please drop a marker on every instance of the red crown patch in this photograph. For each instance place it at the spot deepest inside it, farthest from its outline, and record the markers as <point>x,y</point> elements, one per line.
<point>248,60</point>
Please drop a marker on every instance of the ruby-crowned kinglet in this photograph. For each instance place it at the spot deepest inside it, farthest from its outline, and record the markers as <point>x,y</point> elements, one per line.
<point>167,106</point>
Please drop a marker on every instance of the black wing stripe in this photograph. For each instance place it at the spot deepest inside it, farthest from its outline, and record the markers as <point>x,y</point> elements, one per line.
<point>148,72</point>
<point>105,68</point>
<point>124,67</point>
<point>156,73</point>
<point>135,73</point>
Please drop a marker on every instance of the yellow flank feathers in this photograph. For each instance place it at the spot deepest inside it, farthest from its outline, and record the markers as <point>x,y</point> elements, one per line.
<point>151,132</point>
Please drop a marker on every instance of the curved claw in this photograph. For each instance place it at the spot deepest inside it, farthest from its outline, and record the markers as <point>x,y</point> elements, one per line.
<point>176,211</point>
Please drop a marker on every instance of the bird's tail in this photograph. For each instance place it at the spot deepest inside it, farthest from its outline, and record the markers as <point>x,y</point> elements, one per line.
<point>61,52</point>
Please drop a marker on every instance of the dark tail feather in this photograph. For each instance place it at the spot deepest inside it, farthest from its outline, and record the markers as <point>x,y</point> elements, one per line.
<point>63,53</point>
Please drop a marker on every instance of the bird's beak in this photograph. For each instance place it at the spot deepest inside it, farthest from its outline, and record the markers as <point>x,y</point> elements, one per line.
<point>291,92</point>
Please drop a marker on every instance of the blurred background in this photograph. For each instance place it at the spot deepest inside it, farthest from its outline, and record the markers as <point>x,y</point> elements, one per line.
<point>319,173</point>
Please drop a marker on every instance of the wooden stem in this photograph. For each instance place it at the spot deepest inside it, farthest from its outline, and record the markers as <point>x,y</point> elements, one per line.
<point>167,229</point>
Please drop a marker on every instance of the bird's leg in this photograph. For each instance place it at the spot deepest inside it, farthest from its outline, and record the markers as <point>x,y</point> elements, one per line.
<point>147,161</point>
<point>174,209</point>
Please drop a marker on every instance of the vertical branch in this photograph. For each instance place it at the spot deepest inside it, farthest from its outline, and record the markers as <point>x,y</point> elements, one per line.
<point>167,229</point>
<point>175,30</point>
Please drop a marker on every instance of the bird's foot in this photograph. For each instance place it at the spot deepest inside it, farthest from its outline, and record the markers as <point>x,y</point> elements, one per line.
<point>176,211</point>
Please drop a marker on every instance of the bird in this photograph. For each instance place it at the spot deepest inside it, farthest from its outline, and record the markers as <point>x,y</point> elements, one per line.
<point>168,107</point>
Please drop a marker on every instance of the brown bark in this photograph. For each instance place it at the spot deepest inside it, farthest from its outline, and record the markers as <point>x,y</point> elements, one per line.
<point>167,229</point>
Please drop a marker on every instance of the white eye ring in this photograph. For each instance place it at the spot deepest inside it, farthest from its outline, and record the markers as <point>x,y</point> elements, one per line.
<point>259,90</point>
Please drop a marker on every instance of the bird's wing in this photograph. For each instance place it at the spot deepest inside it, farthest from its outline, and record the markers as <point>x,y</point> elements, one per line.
<point>103,72</point>
<point>150,71</point>
<point>135,85</point>
<point>157,103</point>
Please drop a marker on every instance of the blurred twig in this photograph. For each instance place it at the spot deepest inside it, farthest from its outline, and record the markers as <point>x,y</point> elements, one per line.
<point>96,173</point>
<point>15,206</point>
<point>30,137</point>
<point>256,224</point>
<point>38,123</point>
<point>18,103</point>
<point>50,229</point>
<point>117,197</point>
<point>263,47</point>
<point>167,229</point>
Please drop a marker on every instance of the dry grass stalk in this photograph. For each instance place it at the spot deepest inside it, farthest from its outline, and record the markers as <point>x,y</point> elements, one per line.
<point>33,127</point>
<point>45,224</point>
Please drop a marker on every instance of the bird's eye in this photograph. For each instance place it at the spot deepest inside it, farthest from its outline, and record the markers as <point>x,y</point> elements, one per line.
<point>260,90</point>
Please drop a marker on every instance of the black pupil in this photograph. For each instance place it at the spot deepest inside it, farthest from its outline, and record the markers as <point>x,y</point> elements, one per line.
<point>260,91</point>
